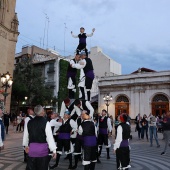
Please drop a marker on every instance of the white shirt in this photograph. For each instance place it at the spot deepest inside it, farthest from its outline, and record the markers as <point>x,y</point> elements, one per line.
<point>76,36</point>
<point>118,139</point>
<point>49,138</point>
<point>78,65</point>
<point>1,143</point>
<point>55,124</point>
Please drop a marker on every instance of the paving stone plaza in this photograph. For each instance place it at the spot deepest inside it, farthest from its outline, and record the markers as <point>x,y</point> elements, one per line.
<point>143,157</point>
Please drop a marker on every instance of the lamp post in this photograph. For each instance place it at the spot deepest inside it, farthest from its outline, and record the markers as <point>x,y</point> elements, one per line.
<point>6,81</point>
<point>107,98</point>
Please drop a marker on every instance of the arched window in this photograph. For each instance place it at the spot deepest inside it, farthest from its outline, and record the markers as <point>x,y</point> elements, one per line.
<point>160,98</point>
<point>122,99</point>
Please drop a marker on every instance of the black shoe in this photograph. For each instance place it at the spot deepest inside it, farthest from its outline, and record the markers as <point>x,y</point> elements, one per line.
<point>98,161</point>
<point>158,146</point>
<point>54,166</point>
<point>108,157</point>
<point>66,157</point>
<point>163,153</point>
<point>70,167</point>
<point>74,167</point>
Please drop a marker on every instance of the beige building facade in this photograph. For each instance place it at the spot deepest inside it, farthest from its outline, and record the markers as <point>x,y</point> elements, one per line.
<point>8,38</point>
<point>141,92</point>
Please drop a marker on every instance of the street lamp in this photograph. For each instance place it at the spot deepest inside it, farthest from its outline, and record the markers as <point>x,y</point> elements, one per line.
<point>107,98</point>
<point>6,81</point>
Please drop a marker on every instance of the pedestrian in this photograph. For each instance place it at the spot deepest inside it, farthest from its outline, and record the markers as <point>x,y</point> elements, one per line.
<point>2,131</point>
<point>105,129</point>
<point>153,130</point>
<point>121,146</point>
<point>6,121</point>
<point>166,133</point>
<point>138,125</point>
<point>89,132</point>
<point>38,140</point>
<point>144,123</point>
<point>19,121</point>
<point>30,116</point>
<point>82,40</point>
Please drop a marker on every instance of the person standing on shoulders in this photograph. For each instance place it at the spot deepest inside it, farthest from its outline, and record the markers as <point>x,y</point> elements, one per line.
<point>38,140</point>
<point>6,121</point>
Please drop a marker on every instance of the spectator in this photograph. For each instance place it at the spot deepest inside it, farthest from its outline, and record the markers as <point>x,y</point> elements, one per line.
<point>19,119</point>
<point>144,123</point>
<point>166,128</point>
<point>6,121</point>
<point>152,130</point>
<point>2,131</point>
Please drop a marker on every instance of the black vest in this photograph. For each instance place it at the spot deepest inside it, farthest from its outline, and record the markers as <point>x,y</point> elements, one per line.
<point>65,127</point>
<point>36,130</point>
<point>103,124</point>
<point>70,69</point>
<point>83,102</point>
<point>70,108</point>
<point>88,128</point>
<point>79,122</point>
<point>126,131</point>
<point>82,38</point>
<point>89,65</point>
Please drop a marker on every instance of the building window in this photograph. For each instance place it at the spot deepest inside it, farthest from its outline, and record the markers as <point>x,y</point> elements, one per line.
<point>160,98</point>
<point>122,99</point>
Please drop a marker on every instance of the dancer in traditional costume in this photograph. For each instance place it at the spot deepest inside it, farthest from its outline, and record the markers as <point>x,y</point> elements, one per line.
<point>121,146</point>
<point>105,129</point>
<point>89,132</point>
<point>38,140</point>
<point>66,129</point>
<point>82,40</point>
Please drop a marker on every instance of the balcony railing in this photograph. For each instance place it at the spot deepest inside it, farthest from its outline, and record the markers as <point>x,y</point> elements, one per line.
<point>50,84</point>
<point>51,70</point>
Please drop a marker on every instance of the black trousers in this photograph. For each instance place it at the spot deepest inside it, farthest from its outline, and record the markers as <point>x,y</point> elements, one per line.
<point>81,47</point>
<point>63,143</point>
<point>41,163</point>
<point>88,82</point>
<point>6,128</point>
<point>103,139</point>
<point>123,157</point>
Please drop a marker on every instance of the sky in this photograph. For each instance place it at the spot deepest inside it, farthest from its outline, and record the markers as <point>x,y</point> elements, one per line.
<point>135,33</point>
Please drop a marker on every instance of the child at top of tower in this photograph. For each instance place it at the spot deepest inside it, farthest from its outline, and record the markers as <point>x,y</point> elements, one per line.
<point>82,40</point>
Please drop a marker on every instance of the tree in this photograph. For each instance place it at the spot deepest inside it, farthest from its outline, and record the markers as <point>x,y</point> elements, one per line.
<point>29,81</point>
